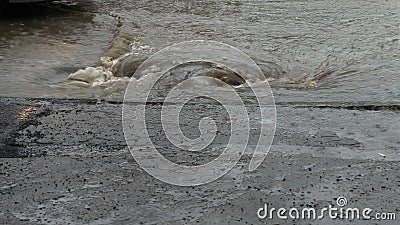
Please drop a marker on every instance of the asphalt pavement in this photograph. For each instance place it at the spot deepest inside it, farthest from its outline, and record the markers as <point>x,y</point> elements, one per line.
<point>66,162</point>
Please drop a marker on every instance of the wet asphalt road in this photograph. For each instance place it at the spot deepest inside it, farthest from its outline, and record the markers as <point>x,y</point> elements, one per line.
<point>61,165</point>
<point>65,161</point>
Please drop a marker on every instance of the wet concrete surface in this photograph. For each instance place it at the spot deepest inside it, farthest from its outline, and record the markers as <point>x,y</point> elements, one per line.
<point>66,162</point>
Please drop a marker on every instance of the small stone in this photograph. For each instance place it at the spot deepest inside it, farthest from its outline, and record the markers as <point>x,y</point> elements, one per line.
<point>382,155</point>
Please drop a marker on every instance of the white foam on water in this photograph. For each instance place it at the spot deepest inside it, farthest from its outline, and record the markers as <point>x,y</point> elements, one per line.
<point>102,75</point>
<point>91,75</point>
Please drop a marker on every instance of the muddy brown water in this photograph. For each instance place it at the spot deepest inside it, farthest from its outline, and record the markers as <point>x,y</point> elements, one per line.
<point>353,46</point>
<point>323,148</point>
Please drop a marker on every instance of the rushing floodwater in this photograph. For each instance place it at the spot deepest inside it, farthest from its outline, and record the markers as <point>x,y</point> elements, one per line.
<point>352,46</point>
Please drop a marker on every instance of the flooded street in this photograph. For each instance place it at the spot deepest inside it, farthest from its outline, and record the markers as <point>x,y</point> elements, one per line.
<point>41,44</point>
<point>355,45</point>
<point>68,135</point>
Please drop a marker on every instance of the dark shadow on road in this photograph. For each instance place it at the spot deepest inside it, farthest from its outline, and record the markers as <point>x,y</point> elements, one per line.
<point>43,9</point>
